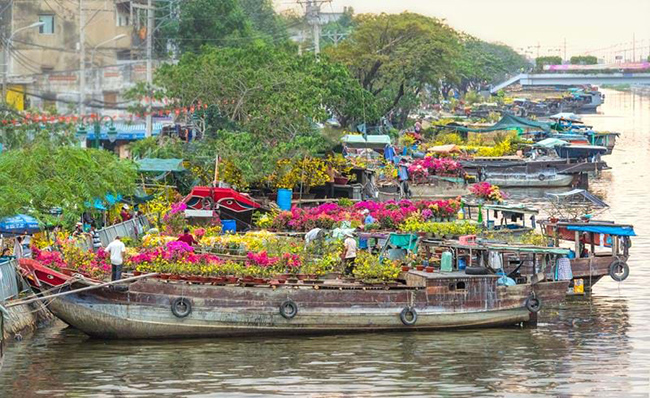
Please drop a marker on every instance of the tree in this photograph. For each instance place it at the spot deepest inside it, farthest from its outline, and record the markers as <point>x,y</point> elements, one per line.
<point>43,176</point>
<point>540,62</point>
<point>264,19</point>
<point>214,22</point>
<point>482,63</point>
<point>583,60</point>
<point>265,90</point>
<point>396,56</point>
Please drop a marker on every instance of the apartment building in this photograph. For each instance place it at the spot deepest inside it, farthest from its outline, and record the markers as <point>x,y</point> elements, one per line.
<point>42,43</point>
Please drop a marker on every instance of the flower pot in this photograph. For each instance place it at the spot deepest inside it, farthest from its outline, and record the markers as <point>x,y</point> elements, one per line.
<point>301,277</point>
<point>232,279</point>
<point>429,269</point>
<point>259,281</point>
<point>164,276</point>
<point>419,267</point>
<point>406,268</point>
<point>247,279</point>
<point>174,277</point>
<point>137,273</point>
<point>341,180</point>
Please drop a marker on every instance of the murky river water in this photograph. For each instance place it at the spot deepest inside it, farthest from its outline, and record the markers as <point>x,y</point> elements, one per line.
<point>598,346</point>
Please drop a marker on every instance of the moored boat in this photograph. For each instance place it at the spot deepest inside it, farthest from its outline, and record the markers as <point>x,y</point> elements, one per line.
<point>601,248</point>
<point>152,308</point>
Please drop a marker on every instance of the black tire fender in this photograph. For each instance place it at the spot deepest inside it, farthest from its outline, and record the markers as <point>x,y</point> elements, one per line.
<point>619,270</point>
<point>477,271</point>
<point>408,316</point>
<point>181,307</point>
<point>288,309</point>
<point>533,304</point>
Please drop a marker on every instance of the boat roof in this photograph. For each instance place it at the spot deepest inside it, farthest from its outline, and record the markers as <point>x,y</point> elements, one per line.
<point>509,248</point>
<point>553,142</point>
<point>568,196</point>
<point>600,228</point>
<point>512,209</point>
<point>568,116</point>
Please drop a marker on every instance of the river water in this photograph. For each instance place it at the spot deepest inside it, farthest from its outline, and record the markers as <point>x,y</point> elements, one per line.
<point>596,346</point>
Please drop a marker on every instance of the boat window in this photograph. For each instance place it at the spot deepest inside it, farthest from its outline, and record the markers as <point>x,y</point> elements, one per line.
<point>460,286</point>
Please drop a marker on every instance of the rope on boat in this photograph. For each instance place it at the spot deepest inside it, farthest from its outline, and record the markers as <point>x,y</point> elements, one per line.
<point>83,289</point>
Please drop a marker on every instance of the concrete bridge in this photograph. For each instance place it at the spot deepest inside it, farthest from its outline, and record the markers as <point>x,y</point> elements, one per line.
<point>574,79</point>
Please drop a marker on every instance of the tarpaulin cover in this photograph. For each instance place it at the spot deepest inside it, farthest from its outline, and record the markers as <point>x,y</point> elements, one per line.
<point>615,230</point>
<point>550,143</point>
<point>160,165</point>
<point>370,141</point>
<point>507,122</point>
<point>404,241</point>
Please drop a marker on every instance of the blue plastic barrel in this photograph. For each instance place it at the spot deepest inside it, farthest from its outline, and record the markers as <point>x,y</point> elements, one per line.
<point>461,264</point>
<point>228,226</point>
<point>284,199</point>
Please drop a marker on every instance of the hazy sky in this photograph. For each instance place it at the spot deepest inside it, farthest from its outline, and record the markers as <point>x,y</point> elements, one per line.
<point>603,27</point>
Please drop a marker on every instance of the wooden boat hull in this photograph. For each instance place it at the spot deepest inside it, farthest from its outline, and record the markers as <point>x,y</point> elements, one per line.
<point>559,180</point>
<point>144,311</point>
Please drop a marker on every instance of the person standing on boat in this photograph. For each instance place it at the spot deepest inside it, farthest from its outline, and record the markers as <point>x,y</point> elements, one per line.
<point>116,250</point>
<point>349,253</point>
<point>187,238</point>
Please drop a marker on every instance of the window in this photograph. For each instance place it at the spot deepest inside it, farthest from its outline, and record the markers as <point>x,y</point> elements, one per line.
<point>123,14</point>
<point>48,24</point>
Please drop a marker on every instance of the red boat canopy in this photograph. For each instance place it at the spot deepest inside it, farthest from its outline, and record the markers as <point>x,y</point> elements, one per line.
<point>207,198</point>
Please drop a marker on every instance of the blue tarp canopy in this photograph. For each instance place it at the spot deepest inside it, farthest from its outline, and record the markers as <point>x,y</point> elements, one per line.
<point>99,204</point>
<point>615,230</point>
<point>127,131</point>
<point>19,224</point>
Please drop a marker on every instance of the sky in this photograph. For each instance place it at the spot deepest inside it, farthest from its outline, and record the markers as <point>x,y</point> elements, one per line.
<point>604,28</point>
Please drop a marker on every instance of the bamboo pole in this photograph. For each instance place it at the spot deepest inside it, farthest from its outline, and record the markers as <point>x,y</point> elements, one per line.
<point>83,289</point>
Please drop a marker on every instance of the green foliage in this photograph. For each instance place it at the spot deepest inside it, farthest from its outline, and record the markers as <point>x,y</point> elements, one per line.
<point>19,136</point>
<point>482,63</point>
<point>540,62</point>
<point>583,60</point>
<point>265,90</point>
<point>396,56</point>
<point>211,22</point>
<point>41,176</point>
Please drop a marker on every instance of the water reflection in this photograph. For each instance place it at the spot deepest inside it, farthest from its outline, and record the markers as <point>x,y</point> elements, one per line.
<point>598,346</point>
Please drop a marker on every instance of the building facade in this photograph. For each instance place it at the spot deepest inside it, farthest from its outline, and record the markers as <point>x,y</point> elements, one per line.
<point>43,52</point>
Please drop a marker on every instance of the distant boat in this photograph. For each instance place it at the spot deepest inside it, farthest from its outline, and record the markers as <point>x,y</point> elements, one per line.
<point>542,180</point>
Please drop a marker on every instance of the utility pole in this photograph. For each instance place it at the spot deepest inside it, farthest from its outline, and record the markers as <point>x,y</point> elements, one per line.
<point>313,18</point>
<point>150,25</point>
<point>82,60</point>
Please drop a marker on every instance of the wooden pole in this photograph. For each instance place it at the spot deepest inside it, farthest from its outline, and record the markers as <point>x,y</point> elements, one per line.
<point>216,172</point>
<point>83,289</point>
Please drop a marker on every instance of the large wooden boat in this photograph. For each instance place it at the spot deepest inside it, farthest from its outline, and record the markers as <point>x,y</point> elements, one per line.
<point>152,308</point>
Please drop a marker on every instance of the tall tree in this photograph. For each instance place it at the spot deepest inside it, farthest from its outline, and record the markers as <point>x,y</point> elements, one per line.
<point>214,22</point>
<point>42,176</point>
<point>266,91</point>
<point>264,19</point>
<point>397,56</point>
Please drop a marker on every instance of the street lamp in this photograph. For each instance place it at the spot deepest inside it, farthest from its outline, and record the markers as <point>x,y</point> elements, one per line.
<point>92,54</point>
<point>7,44</point>
<point>96,121</point>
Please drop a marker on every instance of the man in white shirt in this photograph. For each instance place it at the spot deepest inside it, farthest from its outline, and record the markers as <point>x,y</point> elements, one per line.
<point>116,250</point>
<point>349,253</point>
